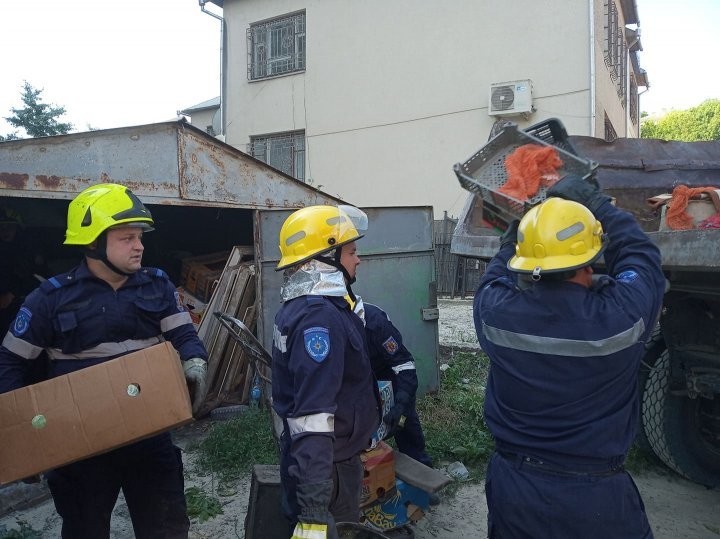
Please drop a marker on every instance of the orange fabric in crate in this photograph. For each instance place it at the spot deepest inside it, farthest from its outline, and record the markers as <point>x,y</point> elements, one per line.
<point>529,167</point>
<point>677,218</point>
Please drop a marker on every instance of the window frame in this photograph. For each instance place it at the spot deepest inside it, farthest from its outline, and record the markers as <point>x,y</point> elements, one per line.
<point>296,142</point>
<point>265,41</point>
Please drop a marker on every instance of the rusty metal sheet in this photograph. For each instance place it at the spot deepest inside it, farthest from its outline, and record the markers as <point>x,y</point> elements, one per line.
<point>143,158</point>
<point>633,170</point>
<point>164,163</point>
<point>214,171</point>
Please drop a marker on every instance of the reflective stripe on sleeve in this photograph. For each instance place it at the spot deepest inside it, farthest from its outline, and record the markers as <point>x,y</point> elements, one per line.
<point>304,530</point>
<point>20,347</point>
<point>565,347</point>
<point>175,321</point>
<point>279,340</point>
<point>106,349</point>
<point>321,422</point>
<point>407,366</point>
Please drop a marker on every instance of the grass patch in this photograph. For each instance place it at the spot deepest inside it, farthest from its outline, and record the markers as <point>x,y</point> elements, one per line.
<point>232,447</point>
<point>453,419</point>
<point>200,505</point>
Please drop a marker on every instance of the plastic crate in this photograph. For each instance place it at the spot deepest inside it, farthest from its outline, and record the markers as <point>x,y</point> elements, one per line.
<point>484,173</point>
<point>552,131</point>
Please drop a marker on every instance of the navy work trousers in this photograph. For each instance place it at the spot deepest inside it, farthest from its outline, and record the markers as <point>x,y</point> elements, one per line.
<point>527,500</point>
<point>345,501</point>
<point>410,438</point>
<point>150,474</point>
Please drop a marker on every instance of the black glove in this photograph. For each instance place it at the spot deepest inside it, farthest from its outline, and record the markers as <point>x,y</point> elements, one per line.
<point>315,516</point>
<point>395,415</point>
<point>510,235</point>
<point>573,187</point>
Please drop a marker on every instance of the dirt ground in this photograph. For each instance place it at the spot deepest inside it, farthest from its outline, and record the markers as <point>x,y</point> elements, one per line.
<point>676,508</point>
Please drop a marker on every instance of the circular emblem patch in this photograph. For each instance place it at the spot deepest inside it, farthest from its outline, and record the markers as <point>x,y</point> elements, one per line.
<point>317,343</point>
<point>22,321</point>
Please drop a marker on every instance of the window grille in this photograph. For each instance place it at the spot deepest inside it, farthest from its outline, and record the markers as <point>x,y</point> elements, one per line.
<point>284,151</point>
<point>633,100</point>
<point>276,47</point>
<point>615,53</point>
<point>610,133</point>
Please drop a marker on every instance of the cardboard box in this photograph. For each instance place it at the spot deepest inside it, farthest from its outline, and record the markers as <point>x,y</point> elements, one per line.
<point>408,505</point>
<point>91,411</point>
<point>194,306</point>
<point>199,274</point>
<point>388,401</point>
<point>378,473</point>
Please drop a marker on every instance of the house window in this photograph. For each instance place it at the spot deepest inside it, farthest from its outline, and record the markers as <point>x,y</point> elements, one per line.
<point>615,52</point>
<point>276,47</point>
<point>633,100</point>
<point>610,133</point>
<point>284,151</point>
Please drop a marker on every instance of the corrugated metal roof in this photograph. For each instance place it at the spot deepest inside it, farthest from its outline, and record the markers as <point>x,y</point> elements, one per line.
<point>205,105</point>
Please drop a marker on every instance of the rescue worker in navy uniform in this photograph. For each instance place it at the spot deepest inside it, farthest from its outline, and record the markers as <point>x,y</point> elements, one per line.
<point>106,307</point>
<point>391,360</point>
<point>564,354</point>
<point>323,387</point>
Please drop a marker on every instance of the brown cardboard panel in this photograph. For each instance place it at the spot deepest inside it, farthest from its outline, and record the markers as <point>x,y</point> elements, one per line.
<point>91,411</point>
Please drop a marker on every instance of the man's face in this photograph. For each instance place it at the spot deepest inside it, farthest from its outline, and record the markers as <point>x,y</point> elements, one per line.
<point>349,258</point>
<point>125,248</point>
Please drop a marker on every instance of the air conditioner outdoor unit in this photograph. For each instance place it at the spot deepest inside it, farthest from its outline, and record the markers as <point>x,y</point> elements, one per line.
<point>508,98</point>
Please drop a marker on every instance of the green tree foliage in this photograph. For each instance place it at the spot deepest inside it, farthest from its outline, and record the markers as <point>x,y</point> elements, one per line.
<point>697,123</point>
<point>38,119</point>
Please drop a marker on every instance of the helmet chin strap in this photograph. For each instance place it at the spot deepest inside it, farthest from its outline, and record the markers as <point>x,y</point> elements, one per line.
<point>100,253</point>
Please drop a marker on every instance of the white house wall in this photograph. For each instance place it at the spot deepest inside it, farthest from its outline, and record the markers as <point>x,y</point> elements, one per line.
<point>395,92</point>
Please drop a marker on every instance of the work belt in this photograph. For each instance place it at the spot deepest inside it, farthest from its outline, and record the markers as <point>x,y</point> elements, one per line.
<point>521,461</point>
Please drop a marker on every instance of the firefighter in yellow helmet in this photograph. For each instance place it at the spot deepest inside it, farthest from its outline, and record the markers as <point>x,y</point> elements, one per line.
<point>323,387</point>
<point>561,398</point>
<point>108,306</point>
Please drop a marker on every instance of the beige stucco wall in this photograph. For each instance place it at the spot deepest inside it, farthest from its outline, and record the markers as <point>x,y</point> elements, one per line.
<point>396,92</point>
<point>606,100</point>
<point>202,119</point>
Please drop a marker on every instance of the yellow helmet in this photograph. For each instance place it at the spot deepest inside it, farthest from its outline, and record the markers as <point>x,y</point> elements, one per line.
<point>100,207</point>
<point>315,230</point>
<point>555,236</point>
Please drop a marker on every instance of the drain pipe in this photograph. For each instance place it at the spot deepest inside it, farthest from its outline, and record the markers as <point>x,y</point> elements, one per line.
<point>591,10</point>
<point>222,63</point>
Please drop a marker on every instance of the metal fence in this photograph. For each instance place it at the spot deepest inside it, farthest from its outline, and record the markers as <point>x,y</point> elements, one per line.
<point>456,275</point>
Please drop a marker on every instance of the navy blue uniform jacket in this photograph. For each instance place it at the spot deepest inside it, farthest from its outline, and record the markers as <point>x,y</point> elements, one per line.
<point>79,320</point>
<point>323,387</point>
<point>564,358</point>
<point>389,357</point>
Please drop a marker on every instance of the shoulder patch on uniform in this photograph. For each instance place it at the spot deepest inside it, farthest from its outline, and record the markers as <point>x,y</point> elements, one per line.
<point>178,302</point>
<point>317,343</point>
<point>391,346</point>
<point>22,321</point>
<point>626,276</point>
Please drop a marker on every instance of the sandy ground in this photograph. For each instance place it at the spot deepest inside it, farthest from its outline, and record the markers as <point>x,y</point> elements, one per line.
<point>676,508</point>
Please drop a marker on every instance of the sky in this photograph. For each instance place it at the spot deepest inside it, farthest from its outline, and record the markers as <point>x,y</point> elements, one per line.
<point>114,63</point>
<point>110,63</point>
<point>681,43</point>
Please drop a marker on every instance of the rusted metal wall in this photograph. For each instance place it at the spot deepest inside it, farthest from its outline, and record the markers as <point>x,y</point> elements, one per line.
<point>165,163</point>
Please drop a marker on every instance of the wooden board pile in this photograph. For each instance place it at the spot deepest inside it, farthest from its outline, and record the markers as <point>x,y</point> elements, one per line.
<point>230,377</point>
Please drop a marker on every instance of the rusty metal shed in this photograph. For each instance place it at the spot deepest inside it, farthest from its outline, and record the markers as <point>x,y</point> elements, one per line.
<point>207,196</point>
